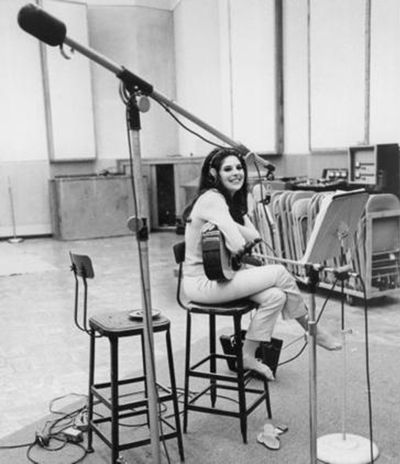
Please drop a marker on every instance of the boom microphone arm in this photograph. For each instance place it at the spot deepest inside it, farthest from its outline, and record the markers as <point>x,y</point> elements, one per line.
<point>50,30</point>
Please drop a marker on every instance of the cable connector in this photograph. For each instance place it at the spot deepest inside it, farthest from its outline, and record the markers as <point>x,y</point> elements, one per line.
<point>72,435</point>
<point>81,422</point>
<point>42,440</point>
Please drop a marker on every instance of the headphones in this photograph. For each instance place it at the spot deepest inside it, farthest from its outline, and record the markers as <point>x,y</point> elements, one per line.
<point>213,173</point>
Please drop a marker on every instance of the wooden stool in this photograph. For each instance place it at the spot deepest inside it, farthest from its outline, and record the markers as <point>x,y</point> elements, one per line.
<point>237,381</point>
<point>116,325</point>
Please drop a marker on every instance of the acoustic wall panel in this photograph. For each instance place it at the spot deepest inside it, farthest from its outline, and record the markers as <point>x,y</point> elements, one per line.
<point>22,111</point>
<point>337,77</point>
<point>69,89</point>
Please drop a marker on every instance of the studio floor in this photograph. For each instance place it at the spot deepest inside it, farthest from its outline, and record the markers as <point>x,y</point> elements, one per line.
<point>44,357</point>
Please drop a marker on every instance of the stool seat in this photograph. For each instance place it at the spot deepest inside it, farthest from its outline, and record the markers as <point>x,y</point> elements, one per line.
<point>227,309</point>
<point>120,324</point>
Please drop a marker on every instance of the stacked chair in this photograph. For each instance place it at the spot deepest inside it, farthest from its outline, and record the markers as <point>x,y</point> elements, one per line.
<point>286,219</point>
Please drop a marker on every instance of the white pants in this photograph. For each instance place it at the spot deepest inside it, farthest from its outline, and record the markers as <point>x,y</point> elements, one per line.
<point>271,286</point>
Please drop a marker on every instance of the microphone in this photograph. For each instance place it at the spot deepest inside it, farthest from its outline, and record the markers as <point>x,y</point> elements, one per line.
<point>249,246</point>
<point>42,25</point>
<point>240,257</point>
<point>259,161</point>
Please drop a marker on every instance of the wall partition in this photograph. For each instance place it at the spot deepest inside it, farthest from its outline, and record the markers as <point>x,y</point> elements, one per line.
<point>68,86</point>
<point>385,71</point>
<point>23,145</point>
<point>337,73</point>
<point>225,61</point>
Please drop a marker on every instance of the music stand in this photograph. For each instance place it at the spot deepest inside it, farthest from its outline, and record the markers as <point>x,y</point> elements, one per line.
<point>335,225</point>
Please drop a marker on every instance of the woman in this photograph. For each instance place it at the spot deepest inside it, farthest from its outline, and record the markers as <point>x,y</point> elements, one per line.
<point>222,201</point>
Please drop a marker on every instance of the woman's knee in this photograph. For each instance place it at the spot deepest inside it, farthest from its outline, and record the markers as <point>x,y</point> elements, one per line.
<point>274,297</point>
<point>284,277</point>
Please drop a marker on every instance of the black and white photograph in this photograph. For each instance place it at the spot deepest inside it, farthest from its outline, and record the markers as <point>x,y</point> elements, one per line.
<point>199,231</point>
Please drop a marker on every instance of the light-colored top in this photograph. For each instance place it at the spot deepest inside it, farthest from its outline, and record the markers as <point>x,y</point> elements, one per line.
<point>211,207</point>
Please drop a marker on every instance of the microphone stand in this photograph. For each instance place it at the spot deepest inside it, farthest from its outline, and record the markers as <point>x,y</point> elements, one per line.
<point>50,30</point>
<point>344,447</point>
<point>139,225</point>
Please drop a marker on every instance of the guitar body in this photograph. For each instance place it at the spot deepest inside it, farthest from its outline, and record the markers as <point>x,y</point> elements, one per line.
<point>216,258</point>
<point>217,261</point>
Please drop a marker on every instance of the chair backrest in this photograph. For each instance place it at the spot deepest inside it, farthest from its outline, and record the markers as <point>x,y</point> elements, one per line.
<point>81,266</point>
<point>179,253</point>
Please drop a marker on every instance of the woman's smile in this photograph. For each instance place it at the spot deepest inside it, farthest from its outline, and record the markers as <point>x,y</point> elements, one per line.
<point>232,174</point>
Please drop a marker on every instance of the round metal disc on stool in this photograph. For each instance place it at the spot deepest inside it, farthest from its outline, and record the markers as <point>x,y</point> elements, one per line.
<point>337,448</point>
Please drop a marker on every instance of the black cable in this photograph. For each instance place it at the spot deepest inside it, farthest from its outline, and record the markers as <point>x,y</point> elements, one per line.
<point>326,300</point>
<point>168,110</point>
<point>36,443</point>
<point>317,320</point>
<point>22,445</point>
<point>270,248</point>
<point>295,356</point>
<point>367,370</point>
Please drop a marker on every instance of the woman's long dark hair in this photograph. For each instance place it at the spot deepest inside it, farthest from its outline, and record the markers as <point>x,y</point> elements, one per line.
<point>238,202</point>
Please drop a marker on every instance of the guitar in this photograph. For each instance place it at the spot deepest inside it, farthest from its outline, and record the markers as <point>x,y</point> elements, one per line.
<point>218,262</point>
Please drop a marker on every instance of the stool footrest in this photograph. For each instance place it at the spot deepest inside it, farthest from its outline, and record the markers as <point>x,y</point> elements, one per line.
<point>143,402</point>
<point>194,407</point>
<point>225,357</point>
<point>132,444</point>
<point>213,376</point>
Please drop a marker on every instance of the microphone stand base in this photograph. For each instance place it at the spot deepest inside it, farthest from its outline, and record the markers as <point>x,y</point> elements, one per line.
<point>15,240</point>
<point>339,448</point>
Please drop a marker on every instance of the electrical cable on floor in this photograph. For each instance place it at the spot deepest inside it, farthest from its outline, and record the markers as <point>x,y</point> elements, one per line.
<point>21,445</point>
<point>38,443</point>
<point>44,437</point>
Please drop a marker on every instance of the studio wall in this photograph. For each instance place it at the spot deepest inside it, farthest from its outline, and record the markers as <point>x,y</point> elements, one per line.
<point>218,60</point>
<point>65,116</point>
<point>24,168</point>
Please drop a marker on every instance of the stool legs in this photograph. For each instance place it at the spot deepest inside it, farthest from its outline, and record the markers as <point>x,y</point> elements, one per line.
<point>144,372</point>
<point>213,361</point>
<point>108,392</point>
<point>90,395</point>
<point>236,382</point>
<point>187,368</point>
<point>114,401</point>
<point>240,377</point>
<point>174,397</point>
<point>267,398</point>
